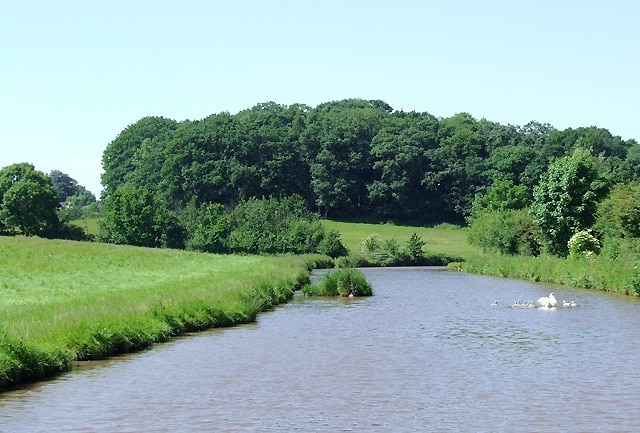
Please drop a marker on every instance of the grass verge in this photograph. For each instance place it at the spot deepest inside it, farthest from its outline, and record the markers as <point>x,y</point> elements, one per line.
<point>62,301</point>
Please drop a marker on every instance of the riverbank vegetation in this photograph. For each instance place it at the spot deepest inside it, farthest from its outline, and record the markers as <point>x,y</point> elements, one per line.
<point>347,282</point>
<point>64,301</point>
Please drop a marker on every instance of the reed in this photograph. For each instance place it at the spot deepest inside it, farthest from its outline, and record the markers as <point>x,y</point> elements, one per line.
<point>347,282</point>
<point>62,301</point>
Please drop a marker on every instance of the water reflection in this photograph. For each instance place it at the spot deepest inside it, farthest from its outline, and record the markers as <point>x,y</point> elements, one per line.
<point>426,353</point>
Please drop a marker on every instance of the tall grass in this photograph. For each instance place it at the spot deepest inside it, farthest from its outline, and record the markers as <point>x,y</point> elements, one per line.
<point>597,273</point>
<point>62,301</point>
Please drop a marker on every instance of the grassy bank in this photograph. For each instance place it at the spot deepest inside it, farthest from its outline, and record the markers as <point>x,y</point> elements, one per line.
<point>597,273</point>
<point>62,301</point>
<point>621,275</point>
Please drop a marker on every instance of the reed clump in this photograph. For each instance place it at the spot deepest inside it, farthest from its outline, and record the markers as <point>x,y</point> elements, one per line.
<point>346,282</point>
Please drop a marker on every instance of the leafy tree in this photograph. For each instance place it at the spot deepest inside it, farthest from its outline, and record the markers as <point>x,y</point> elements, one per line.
<point>457,169</point>
<point>339,135</point>
<point>135,216</point>
<point>566,198</point>
<point>28,201</point>
<point>207,227</point>
<point>414,249</point>
<point>269,159</point>
<point>119,157</point>
<point>399,157</point>
<point>274,226</point>
<point>331,245</point>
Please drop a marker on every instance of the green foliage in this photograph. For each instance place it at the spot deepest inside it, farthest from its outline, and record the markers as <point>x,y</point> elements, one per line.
<point>503,195</point>
<point>347,282</point>
<point>352,159</point>
<point>506,232</point>
<point>127,156</point>
<point>371,244</point>
<point>272,226</point>
<point>331,245</point>
<point>619,214</point>
<point>583,244</point>
<point>597,273</point>
<point>414,249</point>
<point>207,228</point>
<point>28,202</point>
<point>68,187</point>
<point>136,216</point>
<point>566,198</point>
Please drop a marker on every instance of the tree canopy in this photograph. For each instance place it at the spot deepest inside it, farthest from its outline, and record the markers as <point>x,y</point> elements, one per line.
<point>349,159</point>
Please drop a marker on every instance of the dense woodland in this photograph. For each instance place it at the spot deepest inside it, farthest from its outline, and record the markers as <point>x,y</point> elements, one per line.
<point>351,159</point>
<point>193,183</point>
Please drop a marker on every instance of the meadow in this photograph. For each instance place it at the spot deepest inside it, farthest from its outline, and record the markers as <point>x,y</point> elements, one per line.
<point>442,239</point>
<point>63,301</point>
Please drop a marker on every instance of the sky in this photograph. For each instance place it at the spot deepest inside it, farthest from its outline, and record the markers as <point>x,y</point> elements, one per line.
<point>74,74</point>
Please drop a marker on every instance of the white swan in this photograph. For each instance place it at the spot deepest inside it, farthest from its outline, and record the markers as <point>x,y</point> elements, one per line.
<point>566,303</point>
<point>547,301</point>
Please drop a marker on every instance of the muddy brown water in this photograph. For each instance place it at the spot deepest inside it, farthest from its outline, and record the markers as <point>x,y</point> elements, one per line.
<point>426,353</point>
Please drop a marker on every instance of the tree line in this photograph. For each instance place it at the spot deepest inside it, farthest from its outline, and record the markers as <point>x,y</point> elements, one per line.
<point>351,159</point>
<point>205,184</point>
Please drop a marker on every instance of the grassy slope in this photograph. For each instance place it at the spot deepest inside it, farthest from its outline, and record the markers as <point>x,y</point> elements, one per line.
<point>64,300</point>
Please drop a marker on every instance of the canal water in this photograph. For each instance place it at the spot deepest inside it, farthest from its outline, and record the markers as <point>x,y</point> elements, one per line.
<point>427,352</point>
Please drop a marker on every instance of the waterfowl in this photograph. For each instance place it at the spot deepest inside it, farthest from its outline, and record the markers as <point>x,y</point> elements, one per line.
<point>547,301</point>
<point>494,305</point>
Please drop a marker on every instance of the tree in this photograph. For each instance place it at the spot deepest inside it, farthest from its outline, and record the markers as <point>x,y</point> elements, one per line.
<point>339,136</point>
<point>456,170</point>
<point>399,159</point>
<point>28,201</point>
<point>136,216</point>
<point>121,156</point>
<point>565,200</point>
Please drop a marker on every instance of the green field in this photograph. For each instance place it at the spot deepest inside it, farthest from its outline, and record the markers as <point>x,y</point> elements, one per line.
<point>444,239</point>
<point>62,301</point>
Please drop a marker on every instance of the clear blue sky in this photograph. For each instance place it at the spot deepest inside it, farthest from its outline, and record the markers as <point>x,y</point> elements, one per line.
<point>73,74</point>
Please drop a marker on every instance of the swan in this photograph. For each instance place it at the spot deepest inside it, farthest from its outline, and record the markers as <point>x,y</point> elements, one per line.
<point>494,305</point>
<point>548,301</point>
<point>566,303</point>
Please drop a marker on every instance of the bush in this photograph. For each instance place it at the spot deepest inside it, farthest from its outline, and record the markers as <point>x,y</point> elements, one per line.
<point>331,245</point>
<point>506,232</point>
<point>583,244</point>
<point>346,282</point>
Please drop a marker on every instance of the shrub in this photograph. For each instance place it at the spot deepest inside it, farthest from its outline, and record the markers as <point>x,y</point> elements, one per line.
<point>506,232</point>
<point>344,282</point>
<point>583,244</point>
<point>331,245</point>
